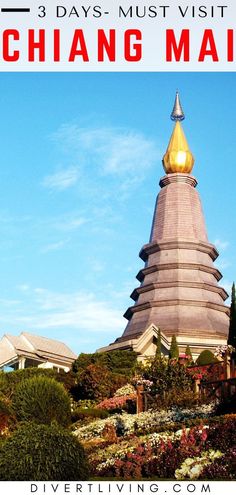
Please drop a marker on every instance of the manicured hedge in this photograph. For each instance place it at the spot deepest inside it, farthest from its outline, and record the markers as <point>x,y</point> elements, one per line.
<point>41,399</point>
<point>10,380</point>
<point>42,453</point>
<point>206,357</point>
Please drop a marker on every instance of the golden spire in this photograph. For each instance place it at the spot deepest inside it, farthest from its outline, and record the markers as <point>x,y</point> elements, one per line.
<point>178,157</point>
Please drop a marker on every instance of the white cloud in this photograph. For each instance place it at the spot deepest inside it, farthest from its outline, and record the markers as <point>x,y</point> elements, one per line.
<point>95,265</point>
<point>23,287</point>
<point>70,223</point>
<point>222,264</point>
<point>61,180</point>
<point>81,311</point>
<point>227,285</point>
<point>125,152</point>
<point>221,245</point>
<point>108,150</point>
<point>8,303</point>
<point>56,246</point>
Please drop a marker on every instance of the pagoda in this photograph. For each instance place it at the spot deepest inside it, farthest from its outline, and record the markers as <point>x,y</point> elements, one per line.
<point>179,292</point>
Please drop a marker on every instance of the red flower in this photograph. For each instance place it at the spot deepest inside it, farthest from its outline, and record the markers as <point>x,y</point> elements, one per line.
<point>204,435</point>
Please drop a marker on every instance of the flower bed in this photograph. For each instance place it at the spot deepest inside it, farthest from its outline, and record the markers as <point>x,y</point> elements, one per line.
<point>153,455</point>
<point>143,422</point>
<point>185,454</point>
<point>206,450</point>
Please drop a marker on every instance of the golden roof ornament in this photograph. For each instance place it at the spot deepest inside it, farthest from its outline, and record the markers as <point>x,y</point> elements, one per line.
<point>178,157</point>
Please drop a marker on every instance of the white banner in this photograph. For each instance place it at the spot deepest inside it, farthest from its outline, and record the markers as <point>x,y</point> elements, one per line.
<point>118,35</point>
<point>118,487</point>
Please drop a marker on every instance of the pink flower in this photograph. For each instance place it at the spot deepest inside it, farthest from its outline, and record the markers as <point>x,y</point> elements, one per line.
<point>116,402</point>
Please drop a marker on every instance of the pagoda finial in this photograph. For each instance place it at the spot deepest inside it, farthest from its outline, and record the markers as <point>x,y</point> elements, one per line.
<point>178,157</point>
<point>177,112</point>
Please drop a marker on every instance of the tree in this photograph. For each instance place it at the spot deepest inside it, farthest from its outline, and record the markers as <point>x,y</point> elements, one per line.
<point>96,382</point>
<point>119,361</point>
<point>188,354</point>
<point>156,372</point>
<point>167,376</point>
<point>93,383</point>
<point>232,323</point>
<point>158,344</point>
<point>174,350</point>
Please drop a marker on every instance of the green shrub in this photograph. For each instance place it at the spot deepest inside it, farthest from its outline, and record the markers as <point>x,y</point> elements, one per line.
<point>3,383</point>
<point>119,362</point>
<point>42,453</point>
<point>93,383</point>
<point>117,381</point>
<point>80,414</point>
<point>5,415</point>
<point>42,400</point>
<point>100,374</point>
<point>206,357</point>
<point>166,375</point>
<point>68,379</point>
<point>173,397</point>
<point>4,408</point>
<point>10,380</point>
<point>96,382</point>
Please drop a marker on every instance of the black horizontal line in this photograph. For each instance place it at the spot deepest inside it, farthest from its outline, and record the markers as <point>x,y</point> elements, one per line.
<point>15,10</point>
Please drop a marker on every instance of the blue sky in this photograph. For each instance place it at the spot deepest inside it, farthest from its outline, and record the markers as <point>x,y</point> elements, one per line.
<point>79,170</point>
